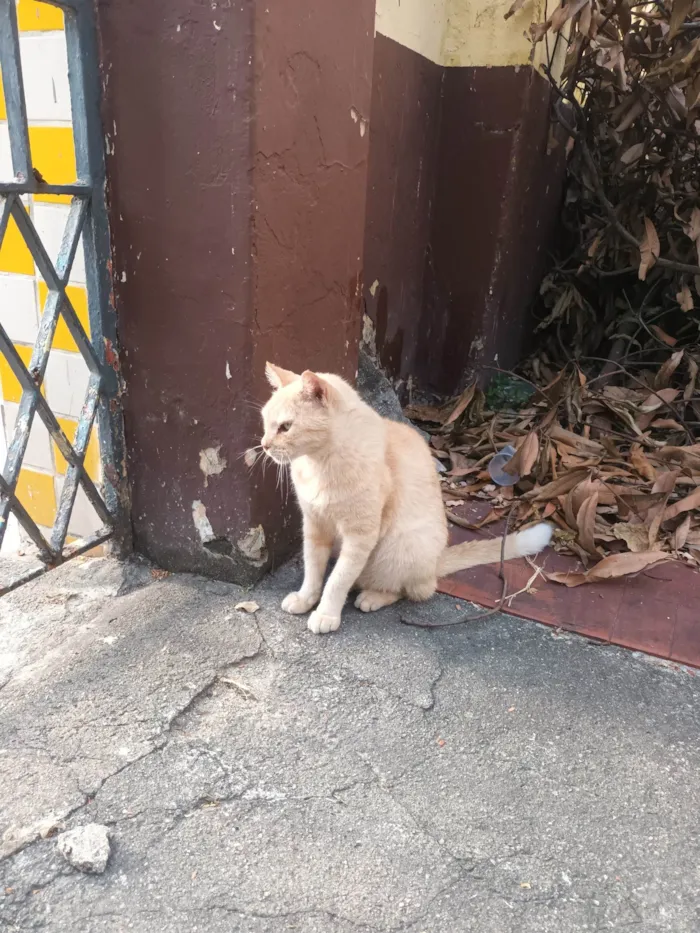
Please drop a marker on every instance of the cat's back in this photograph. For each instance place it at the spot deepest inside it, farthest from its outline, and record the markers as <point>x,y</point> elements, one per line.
<point>410,461</point>
<point>415,511</point>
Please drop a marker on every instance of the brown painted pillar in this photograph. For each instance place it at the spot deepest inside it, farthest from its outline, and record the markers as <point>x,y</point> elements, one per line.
<point>462,194</point>
<point>237,160</point>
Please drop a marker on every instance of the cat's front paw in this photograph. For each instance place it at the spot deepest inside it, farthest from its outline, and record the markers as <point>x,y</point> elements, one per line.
<point>321,624</point>
<point>297,603</point>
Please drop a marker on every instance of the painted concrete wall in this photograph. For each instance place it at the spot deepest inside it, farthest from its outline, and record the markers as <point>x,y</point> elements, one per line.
<point>22,290</point>
<point>237,183</point>
<point>462,190</point>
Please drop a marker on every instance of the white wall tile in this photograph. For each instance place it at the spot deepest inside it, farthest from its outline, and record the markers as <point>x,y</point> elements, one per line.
<point>18,312</point>
<point>45,73</point>
<point>11,542</point>
<point>84,519</point>
<point>38,453</point>
<point>50,221</point>
<point>66,383</point>
<point>6,173</point>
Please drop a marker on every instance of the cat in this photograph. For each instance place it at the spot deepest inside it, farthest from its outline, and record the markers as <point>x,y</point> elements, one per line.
<point>369,485</point>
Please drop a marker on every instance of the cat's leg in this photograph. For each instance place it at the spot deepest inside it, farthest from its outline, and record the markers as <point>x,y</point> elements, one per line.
<point>420,590</point>
<point>318,542</point>
<point>354,552</point>
<point>371,600</point>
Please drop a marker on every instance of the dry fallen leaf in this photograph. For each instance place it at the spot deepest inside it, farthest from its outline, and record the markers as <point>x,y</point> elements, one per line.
<point>463,403</point>
<point>558,486</point>
<point>663,377</point>
<point>663,336</point>
<point>679,10</point>
<point>585,519</point>
<point>649,249</point>
<point>632,154</point>
<point>683,505</point>
<point>692,230</point>
<point>641,463</point>
<point>665,482</point>
<point>685,299</point>
<point>525,456</point>
<point>564,13</point>
<point>680,535</point>
<point>668,424</point>
<point>513,9</point>
<point>426,413</point>
<point>635,536</point>
<point>249,607</point>
<point>611,568</point>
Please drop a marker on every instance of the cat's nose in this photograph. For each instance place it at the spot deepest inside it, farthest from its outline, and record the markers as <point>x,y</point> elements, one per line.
<point>265,444</point>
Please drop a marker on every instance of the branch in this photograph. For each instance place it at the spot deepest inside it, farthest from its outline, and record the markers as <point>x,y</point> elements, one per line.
<point>606,204</point>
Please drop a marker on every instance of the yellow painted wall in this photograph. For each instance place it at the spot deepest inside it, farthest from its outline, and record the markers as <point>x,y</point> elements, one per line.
<point>460,33</point>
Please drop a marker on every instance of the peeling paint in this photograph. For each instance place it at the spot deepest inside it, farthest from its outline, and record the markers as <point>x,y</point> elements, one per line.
<point>252,545</point>
<point>373,288</point>
<point>211,463</point>
<point>228,370</point>
<point>111,355</point>
<point>201,522</point>
<point>369,335</point>
<point>356,117</point>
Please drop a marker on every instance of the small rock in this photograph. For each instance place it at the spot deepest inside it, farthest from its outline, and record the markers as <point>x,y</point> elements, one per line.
<point>249,607</point>
<point>86,848</point>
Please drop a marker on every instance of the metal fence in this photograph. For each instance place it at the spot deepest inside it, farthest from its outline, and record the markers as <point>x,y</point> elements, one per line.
<point>101,410</point>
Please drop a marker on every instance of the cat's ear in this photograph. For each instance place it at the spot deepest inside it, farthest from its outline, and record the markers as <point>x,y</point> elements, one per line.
<point>314,389</point>
<point>278,377</point>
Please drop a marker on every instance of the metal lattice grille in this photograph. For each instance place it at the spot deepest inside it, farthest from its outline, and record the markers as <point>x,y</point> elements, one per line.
<point>87,219</point>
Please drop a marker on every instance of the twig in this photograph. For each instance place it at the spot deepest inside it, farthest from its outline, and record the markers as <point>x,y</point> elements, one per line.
<point>459,521</point>
<point>526,589</point>
<point>643,384</point>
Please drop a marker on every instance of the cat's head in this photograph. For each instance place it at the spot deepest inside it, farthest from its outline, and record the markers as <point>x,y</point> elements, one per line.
<point>297,418</point>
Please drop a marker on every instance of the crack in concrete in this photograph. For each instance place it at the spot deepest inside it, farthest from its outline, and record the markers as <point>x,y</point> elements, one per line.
<point>158,743</point>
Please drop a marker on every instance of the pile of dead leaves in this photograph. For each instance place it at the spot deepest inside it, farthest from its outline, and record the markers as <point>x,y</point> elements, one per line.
<point>613,467</point>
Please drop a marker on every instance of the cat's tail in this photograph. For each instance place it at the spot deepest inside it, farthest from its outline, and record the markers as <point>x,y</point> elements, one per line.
<point>473,553</point>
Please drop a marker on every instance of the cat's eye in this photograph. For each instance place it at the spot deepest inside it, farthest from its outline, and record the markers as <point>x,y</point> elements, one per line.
<point>284,427</point>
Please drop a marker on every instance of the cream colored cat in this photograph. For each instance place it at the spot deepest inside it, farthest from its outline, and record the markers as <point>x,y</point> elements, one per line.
<point>370,486</point>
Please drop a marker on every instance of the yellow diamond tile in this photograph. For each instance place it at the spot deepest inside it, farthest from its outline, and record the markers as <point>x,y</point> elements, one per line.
<point>33,15</point>
<point>11,389</point>
<point>78,298</point>
<point>92,456</point>
<point>37,494</point>
<point>53,155</point>
<point>3,111</point>
<point>14,252</point>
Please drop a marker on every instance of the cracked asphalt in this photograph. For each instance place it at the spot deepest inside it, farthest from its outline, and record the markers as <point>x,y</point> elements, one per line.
<point>491,777</point>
